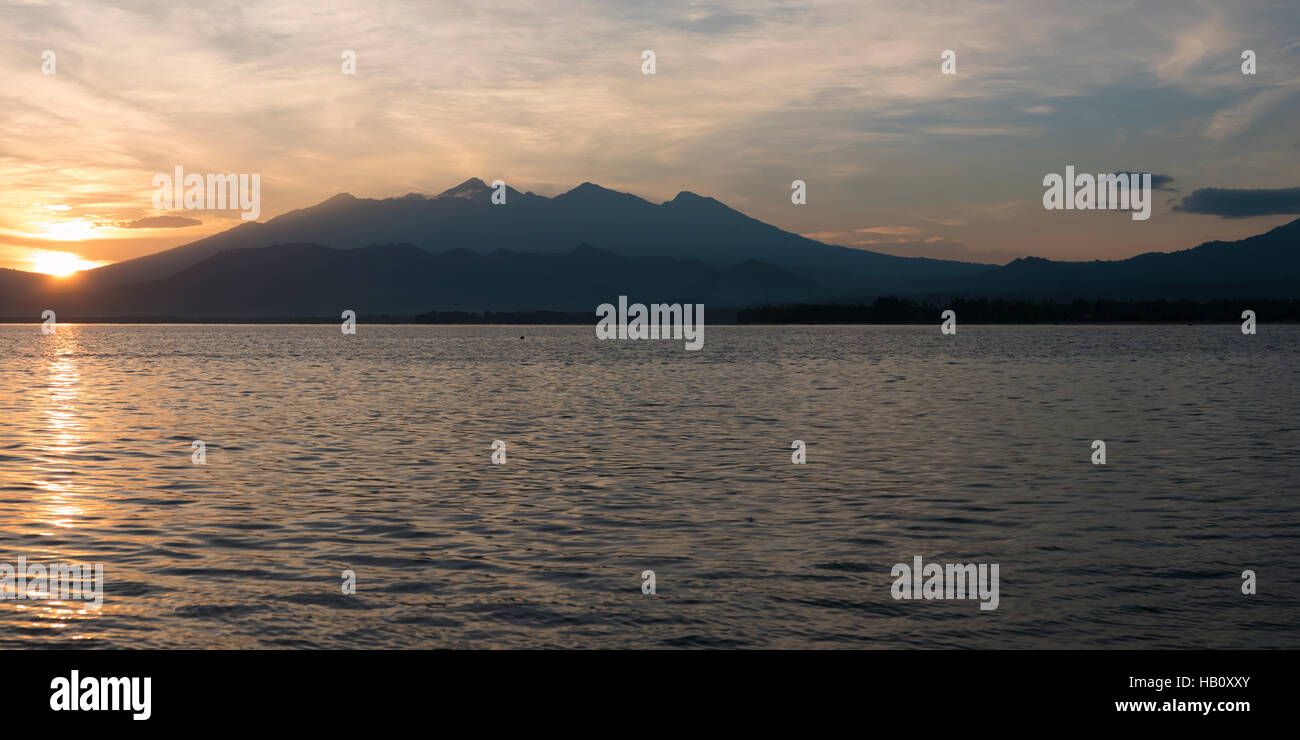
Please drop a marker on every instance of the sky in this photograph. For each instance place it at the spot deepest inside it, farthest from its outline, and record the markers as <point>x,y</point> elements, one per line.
<point>747,97</point>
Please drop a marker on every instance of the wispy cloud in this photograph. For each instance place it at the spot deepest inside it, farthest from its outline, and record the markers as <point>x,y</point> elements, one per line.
<point>161,222</point>
<point>891,230</point>
<point>1240,117</point>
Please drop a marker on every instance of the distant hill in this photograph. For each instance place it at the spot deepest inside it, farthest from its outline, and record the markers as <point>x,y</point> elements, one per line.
<point>314,280</point>
<point>894,310</point>
<point>18,288</point>
<point>1265,266</point>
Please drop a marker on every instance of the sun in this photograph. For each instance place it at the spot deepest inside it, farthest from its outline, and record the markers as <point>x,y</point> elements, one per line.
<point>59,264</point>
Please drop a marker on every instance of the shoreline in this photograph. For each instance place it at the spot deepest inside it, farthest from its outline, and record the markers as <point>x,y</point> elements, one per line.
<point>319,322</point>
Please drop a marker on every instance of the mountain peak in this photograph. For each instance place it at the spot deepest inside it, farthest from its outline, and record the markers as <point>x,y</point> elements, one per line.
<point>333,204</point>
<point>472,189</point>
<point>687,196</point>
<point>478,191</point>
<point>695,202</point>
<point>590,192</point>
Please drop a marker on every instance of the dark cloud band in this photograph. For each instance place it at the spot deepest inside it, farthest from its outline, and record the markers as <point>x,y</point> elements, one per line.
<point>1241,203</point>
<point>162,222</point>
<point>1158,182</point>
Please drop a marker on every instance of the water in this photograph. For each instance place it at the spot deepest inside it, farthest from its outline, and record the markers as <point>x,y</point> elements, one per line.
<point>372,453</point>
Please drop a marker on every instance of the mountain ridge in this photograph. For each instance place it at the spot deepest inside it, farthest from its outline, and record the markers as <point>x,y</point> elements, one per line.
<point>312,279</point>
<point>688,226</point>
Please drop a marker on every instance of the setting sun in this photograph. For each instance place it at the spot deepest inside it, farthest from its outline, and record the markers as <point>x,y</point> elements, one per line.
<point>60,264</point>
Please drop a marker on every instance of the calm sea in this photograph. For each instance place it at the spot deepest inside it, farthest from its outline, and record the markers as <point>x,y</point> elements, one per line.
<point>372,453</point>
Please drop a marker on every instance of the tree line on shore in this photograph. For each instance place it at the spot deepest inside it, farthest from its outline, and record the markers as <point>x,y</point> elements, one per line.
<point>896,310</point>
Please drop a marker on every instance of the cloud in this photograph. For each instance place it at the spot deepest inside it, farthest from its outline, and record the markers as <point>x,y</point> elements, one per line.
<point>891,230</point>
<point>975,130</point>
<point>827,237</point>
<point>936,248</point>
<point>1192,44</point>
<point>945,221</point>
<point>1241,203</point>
<point>1158,182</point>
<point>1162,182</point>
<point>717,22</point>
<point>1241,117</point>
<point>161,222</point>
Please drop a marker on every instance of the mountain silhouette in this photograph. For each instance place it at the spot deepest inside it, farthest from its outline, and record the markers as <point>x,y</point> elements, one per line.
<point>689,227</point>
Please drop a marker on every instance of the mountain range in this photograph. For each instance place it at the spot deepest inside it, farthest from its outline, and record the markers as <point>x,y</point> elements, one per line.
<point>459,251</point>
